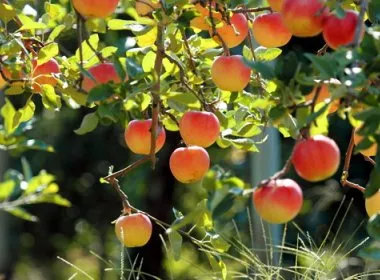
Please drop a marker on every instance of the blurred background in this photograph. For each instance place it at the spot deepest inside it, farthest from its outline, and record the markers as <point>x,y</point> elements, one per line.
<point>83,234</point>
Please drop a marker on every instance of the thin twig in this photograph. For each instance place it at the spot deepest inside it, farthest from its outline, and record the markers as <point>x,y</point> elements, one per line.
<point>360,25</point>
<point>344,178</point>
<point>80,40</point>
<point>214,32</point>
<point>127,169</point>
<point>156,92</point>
<point>370,160</point>
<point>322,50</point>
<point>251,10</point>
<point>188,50</point>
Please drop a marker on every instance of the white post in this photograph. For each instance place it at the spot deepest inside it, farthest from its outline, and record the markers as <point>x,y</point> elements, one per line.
<point>264,165</point>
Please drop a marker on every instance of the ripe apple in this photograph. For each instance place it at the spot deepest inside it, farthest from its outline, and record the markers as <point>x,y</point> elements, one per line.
<point>42,74</point>
<point>316,158</point>
<point>279,201</point>
<point>371,151</point>
<point>102,73</point>
<point>202,21</point>
<point>233,35</point>
<point>230,73</point>
<point>133,230</point>
<point>189,164</point>
<point>138,137</point>
<point>340,31</point>
<point>145,7</point>
<point>270,31</point>
<point>276,5</point>
<point>325,95</point>
<point>199,128</point>
<point>95,8</point>
<point>372,204</point>
<point>304,18</point>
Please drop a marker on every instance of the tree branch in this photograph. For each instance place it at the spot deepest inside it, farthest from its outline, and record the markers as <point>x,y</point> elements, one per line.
<point>251,10</point>
<point>344,178</point>
<point>156,92</point>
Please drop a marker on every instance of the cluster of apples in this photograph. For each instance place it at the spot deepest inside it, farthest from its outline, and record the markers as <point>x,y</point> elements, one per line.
<point>198,130</point>
<point>304,19</point>
<point>314,159</point>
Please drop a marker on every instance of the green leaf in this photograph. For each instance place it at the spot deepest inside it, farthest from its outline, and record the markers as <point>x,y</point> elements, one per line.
<point>6,189</point>
<point>34,144</point>
<point>47,52</point>
<point>324,64</point>
<point>29,24</point>
<point>89,123</point>
<point>7,13</point>
<point>264,54</point>
<point>374,178</point>
<point>246,144</point>
<point>175,240</point>
<point>26,169</point>
<point>265,69</point>
<point>56,32</point>
<point>373,226</point>
<point>38,183</point>
<point>8,112</point>
<point>100,93</point>
<point>52,198</point>
<point>50,99</point>
<point>86,49</point>
<point>15,89</point>
<point>21,213</point>
<point>219,243</point>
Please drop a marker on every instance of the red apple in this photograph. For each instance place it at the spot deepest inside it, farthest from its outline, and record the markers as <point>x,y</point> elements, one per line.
<point>235,33</point>
<point>316,158</point>
<point>340,31</point>
<point>133,230</point>
<point>230,73</point>
<point>304,18</point>
<point>279,201</point>
<point>102,73</point>
<point>138,137</point>
<point>199,128</point>
<point>270,31</point>
<point>189,164</point>
<point>95,8</point>
<point>43,74</point>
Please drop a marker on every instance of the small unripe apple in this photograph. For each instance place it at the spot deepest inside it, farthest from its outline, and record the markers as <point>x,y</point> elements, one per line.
<point>230,73</point>
<point>372,204</point>
<point>43,74</point>
<point>304,18</point>
<point>95,8</point>
<point>138,137</point>
<point>316,158</point>
<point>189,164</point>
<point>235,33</point>
<point>102,73</point>
<point>369,152</point>
<point>199,128</point>
<point>279,201</point>
<point>276,5</point>
<point>340,31</point>
<point>145,7</point>
<point>133,230</point>
<point>270,31</point>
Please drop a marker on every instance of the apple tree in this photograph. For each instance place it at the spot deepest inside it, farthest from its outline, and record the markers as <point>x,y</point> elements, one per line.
<point>217,73</point>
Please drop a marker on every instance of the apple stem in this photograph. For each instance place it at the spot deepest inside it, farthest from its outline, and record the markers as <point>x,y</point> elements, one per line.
<point>322,50</point>
<point>214,32</point>
<point>344,178</point>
